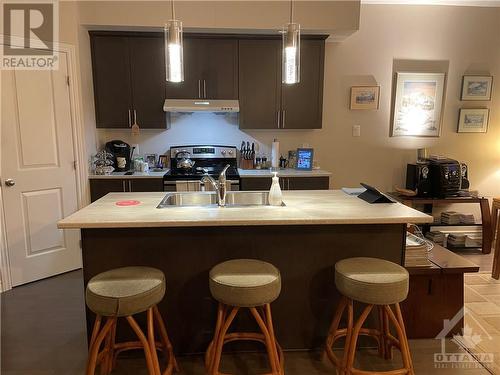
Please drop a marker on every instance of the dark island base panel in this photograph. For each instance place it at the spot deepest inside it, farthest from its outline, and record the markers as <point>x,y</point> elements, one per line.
<point>305,256</point>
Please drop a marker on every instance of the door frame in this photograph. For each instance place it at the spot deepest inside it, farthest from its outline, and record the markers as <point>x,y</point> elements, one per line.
<point>81,168</point>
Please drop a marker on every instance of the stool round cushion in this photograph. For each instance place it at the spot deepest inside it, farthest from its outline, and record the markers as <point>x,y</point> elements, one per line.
<point>245,282</point>
<point>125,291</point>
<point>371,280</point>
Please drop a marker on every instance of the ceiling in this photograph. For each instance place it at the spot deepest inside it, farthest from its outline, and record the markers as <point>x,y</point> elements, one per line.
<point>477,3</point>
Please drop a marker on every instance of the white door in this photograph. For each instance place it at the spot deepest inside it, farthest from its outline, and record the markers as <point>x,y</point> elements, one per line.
<point>38,176</point>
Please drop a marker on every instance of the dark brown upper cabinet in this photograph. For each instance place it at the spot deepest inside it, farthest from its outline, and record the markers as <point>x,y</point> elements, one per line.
<point>129,79</point>
<point>210,69</point>
<point>267,103</point>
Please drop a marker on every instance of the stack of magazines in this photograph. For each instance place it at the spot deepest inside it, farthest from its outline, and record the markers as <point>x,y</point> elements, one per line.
<point>467,219</point>
<point>451,217</point>
<point>456,240</point>
<point>416,252</point>
<point>436,237</point>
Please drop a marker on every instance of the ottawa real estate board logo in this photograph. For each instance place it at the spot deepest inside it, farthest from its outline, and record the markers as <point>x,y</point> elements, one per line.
<point>30,34</point>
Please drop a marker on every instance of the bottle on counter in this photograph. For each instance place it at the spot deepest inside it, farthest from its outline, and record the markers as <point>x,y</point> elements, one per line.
<point>275,195</point>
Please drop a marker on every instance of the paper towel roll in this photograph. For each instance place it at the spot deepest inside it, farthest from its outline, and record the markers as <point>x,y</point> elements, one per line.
<point>275,154</point>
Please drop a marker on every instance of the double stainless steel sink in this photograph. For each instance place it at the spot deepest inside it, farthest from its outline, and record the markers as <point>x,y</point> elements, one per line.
<point>208,199</point>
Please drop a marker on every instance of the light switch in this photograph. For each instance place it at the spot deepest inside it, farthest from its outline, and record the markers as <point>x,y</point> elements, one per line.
<point>356,130</point>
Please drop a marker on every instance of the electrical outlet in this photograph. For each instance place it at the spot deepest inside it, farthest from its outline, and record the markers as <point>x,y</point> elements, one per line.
<point>356,130</point>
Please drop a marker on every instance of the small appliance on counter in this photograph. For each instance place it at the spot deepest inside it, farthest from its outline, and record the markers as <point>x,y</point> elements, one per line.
<point>122,154</point>
<point>437,177</point>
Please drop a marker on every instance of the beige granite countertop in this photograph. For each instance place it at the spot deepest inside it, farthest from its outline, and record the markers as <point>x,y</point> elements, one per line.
<point>302,208</point>
<point>287,172</point>
<point>121,175</point>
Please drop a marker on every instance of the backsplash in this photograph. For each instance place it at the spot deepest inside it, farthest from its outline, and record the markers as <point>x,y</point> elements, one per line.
<point>195,128</point>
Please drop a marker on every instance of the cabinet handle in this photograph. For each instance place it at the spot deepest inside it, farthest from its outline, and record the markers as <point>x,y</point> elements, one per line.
<point>287,184</point>
<point>278,118</point>
<point>123,183</point>
<point>199,89</point>
<point>283,119</point>
<point>204,89</point>
<point>129,186</point>
<point>135,116</point>
<point>129,118</point>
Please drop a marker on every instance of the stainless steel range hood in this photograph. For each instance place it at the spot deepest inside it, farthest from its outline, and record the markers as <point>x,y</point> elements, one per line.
<point>201,105</point>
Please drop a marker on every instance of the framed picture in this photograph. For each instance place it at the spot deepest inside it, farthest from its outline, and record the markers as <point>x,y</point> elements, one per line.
<point>473,120</point>
<point>163,159</point>
<point>365,97</point>
<point>305,157</point>
<point>150,159</point>
<point>477,88</point>
<point>417,104</point>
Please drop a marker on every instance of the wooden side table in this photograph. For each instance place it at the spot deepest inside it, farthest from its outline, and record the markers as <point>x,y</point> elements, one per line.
<point>495,273</point>
<point>429,202</point>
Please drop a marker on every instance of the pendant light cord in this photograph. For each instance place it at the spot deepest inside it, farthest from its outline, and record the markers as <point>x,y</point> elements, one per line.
<point>172,9</point>
<point>291,11</point>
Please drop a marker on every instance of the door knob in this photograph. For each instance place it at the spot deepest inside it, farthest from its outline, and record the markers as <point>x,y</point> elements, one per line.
<point>10,182</point>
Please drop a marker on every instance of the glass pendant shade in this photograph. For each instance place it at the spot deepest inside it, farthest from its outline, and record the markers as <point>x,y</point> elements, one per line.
<point>291,54</point>
<point>174,51</point>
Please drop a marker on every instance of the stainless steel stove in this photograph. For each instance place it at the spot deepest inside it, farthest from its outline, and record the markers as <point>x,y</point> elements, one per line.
<point>206,159</point>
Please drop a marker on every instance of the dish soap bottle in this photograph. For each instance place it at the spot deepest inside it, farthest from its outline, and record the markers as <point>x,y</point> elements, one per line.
<point>275,196</point>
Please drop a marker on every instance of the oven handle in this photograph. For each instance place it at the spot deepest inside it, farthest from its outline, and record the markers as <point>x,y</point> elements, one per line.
<point>170,182</point>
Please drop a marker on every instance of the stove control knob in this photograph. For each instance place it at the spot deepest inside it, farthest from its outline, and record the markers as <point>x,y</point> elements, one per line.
<point>230,152</point>
<point>223,152</point>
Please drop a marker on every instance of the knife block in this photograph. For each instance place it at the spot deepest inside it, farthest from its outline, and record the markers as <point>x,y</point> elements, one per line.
<point>246,164</point>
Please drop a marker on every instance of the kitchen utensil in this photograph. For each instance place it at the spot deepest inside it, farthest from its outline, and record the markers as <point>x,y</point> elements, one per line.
<point>135,127</point>
<point>184,160</point>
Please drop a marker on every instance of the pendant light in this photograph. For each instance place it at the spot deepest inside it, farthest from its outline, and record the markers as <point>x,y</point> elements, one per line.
<point>291,51</point>
<point>174,48</point>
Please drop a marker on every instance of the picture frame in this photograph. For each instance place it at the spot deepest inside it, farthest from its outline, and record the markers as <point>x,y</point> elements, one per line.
<point>163,159</point>
<point>473,120</point>
<point>305,158</point>
<point>475,87</point>
<point>418,103</point>
<point>365,97</point>
<point>151,159</point>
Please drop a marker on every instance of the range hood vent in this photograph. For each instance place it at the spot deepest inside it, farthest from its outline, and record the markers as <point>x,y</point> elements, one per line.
<point>201,105</point>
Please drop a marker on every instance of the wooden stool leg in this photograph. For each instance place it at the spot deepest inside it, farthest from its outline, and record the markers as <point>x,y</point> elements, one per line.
<point>152,341</point>
<point>280,361</point>
<point>96,344</point>
<point>147,352</point>
<point>386,333</point>
<point>107,364</point>
<point>271,351</point>
<point>382,345</point>
<point>354,338</point>
<point>334,326</point>
<point>167,345</point>
<point>214,370</point>
<point>221,316</point>
<point>402,340</point>
<point>399,317</point>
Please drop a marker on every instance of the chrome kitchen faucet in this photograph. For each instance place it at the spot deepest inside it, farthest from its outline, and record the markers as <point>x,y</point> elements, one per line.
<point>219,186</point>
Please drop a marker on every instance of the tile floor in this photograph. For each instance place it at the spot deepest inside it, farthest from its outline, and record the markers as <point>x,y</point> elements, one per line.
<point>43,333</point>
<point>482,303</point>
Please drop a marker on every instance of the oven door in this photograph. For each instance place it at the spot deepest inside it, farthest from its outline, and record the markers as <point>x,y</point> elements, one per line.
<point>196,185</point>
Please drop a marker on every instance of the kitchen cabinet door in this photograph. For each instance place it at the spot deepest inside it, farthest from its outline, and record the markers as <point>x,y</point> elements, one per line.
<point>112,82</point>
<point>146,184</point>
<point>191,87</point>
<point>259,83</point>
<point>100,187</point>
<point>220,68</point>
<point>255,183</point>
<point>308,183</point>
<point>302,103</point>
<point>147,61</point>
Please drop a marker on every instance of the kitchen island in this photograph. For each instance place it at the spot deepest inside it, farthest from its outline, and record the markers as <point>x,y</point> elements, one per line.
<point>303,240</point>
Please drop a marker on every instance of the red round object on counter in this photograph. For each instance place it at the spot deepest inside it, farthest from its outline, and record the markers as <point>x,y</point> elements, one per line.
<point>128,203</point>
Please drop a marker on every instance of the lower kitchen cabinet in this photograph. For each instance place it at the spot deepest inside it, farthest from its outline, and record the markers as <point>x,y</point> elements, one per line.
<point>286,183</point>
<point>100,187</point>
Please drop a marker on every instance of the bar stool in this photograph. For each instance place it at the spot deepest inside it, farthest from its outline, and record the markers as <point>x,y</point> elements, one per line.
<point>376,283</point>
<point>250,284</point>
<point>121,293</point>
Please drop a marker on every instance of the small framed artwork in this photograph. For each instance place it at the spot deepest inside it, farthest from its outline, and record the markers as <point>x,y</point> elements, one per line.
<point>473,120</point>
<point>417,104</point>
<point>477,88</point>
<point>365,97</point>
<point>305,157</point>
<point>163,160</point>
<point>151,160</point>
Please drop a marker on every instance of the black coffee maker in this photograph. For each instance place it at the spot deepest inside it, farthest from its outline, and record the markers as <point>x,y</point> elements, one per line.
<point>121,153</point>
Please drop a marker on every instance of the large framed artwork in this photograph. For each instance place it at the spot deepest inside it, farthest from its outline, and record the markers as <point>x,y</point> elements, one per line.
<point>477,88</point>
<point>417,105</point>
<point>473,120</point>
